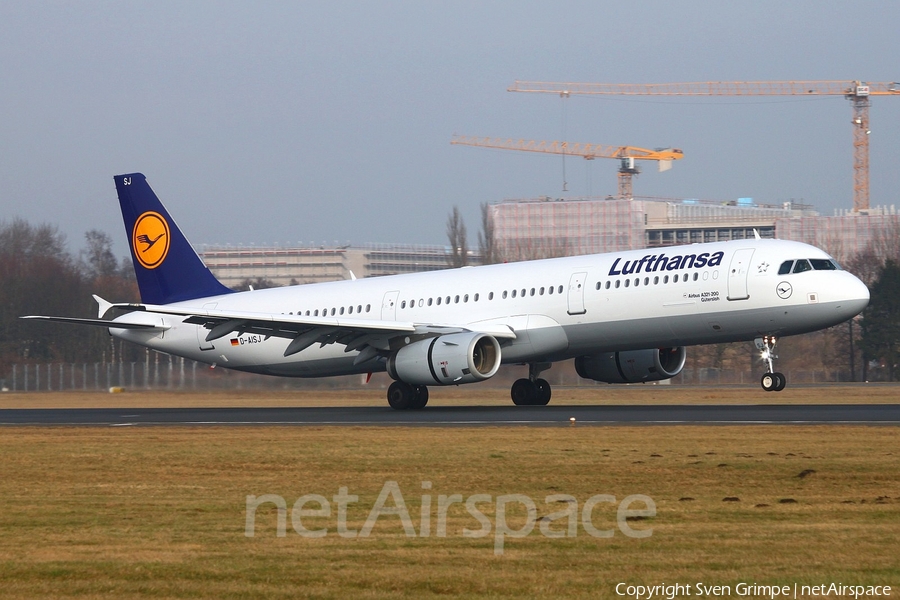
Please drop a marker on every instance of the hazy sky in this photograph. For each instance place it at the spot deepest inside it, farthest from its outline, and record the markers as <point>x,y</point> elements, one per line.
<point>284,122</point>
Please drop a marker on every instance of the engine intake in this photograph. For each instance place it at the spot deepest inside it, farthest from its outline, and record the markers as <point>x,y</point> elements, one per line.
<point>446,360</point>
<point>632,366</point>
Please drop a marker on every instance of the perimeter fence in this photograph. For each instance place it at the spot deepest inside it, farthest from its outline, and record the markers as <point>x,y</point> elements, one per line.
<point>179,374</point>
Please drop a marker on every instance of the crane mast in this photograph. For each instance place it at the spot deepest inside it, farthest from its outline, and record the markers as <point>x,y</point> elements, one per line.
<point>858,92</point>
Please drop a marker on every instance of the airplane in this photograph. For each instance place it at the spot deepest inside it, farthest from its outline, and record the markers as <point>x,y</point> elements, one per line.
<point>624,317</point>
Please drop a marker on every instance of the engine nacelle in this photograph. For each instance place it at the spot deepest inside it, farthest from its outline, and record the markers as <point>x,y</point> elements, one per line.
<point>446,360</point>
<point>632,366</point>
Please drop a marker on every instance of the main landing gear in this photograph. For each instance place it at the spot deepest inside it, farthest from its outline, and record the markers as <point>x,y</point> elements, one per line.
<point>404,396</point>
<point>532,391</point>
<point>771,381</point>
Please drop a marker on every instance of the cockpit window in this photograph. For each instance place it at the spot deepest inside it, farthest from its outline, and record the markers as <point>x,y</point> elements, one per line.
<point>785,267</point>
<point>823,264</point>
<point>802,265</point>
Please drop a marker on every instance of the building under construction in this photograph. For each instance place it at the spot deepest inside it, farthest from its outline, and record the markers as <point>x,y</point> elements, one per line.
<point>547,227</point>
<point>526,229</point>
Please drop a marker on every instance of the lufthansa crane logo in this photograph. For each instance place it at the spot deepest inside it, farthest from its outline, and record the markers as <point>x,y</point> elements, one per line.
<point>150,239</point>
<point>784,290</point>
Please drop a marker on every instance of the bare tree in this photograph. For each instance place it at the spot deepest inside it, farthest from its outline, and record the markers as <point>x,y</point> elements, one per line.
<point>490,252</point>
<point>456,235</point>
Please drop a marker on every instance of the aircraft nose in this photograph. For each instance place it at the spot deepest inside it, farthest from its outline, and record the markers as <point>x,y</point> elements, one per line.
<point>856,297</point>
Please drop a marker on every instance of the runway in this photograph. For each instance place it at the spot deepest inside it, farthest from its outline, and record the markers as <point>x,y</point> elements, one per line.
<point>762,414</point>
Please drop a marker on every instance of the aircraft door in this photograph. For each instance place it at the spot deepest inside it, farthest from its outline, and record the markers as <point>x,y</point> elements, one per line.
<point>737,274</point>
<point>389,306</point>
<point>576,293</point>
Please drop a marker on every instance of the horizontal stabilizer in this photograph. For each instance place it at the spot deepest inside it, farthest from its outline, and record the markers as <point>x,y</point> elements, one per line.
<point>96,322</point>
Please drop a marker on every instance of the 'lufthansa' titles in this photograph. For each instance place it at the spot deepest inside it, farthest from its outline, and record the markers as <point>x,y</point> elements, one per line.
<point>660,262</point>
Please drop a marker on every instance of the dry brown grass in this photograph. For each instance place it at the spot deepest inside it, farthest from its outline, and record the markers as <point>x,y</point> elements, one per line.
<point>468,395</point>
<point>160,512</point>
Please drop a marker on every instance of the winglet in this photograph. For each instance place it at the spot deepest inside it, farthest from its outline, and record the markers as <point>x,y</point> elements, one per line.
<point>103,306</point>
<point>166,265</point>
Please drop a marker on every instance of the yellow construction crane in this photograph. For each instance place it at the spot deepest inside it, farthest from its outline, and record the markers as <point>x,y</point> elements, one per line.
<point>858,92</point>
<point>626,154</point>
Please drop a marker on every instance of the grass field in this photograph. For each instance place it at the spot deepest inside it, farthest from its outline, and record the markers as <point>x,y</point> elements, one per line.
<point>161,512</point>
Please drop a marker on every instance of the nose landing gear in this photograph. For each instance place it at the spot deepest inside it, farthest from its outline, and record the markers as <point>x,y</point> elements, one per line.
<point>771,381</point>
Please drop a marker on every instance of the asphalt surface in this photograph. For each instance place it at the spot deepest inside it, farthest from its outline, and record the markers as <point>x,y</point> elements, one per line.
<point>768,414</point>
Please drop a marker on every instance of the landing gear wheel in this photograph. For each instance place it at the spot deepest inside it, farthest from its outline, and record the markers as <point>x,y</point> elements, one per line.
<point>523,392</point>
<point>771,381</point>
<point>543,392</point>
<point>421,398</point>
<point>780,382</point>
<point>401,396</point>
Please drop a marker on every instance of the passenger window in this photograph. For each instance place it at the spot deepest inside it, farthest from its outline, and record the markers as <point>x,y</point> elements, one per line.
<point>532,291</point>
<point>429,302</point>
<point>491,296</point>
<point>637,281</point>
<point>617,283</point>
<point>801,266</point>
<point>541,292</point>
<point>403,304</point>
<point>646,281</point>
<point>317,312</point>
<point>342,310</point>
<point>675,278</point>
<point>466,298</point>
<point>598,285</point>
<point>606,285</point>
<point>447,300</point>
<point>475,298</point>
<point>439,300</point>
<point>696,275</point>
<point>560,289</point>
<point>359,308</point>
<point>504,294</point>
<point>514,293</point>
<point>368,307</point>
<point>627,282</point>
<point>421,303</point>
<point>656,280</point>
<point>523,292</point>
<point>551,289</point>
<point>666,279</point>
<point>785,267</point>
<point>456,299</point>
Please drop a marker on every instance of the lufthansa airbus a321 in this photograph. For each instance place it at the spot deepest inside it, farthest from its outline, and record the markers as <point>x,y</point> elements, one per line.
<point>624,317</point>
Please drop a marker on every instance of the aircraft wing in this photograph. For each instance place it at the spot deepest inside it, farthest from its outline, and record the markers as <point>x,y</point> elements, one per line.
<point>355,334</point>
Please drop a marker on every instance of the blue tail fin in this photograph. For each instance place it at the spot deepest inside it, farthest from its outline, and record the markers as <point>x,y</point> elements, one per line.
<point>167,267</point>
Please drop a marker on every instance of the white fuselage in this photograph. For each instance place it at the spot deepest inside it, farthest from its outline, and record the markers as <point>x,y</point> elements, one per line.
<point>557,308</point>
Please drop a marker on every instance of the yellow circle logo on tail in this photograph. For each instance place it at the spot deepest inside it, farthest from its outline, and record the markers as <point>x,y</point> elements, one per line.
<point>150,239</point>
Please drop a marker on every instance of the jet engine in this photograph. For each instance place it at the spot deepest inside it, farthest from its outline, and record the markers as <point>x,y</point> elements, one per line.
<point>633,366</point>
<point>446,360</point>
